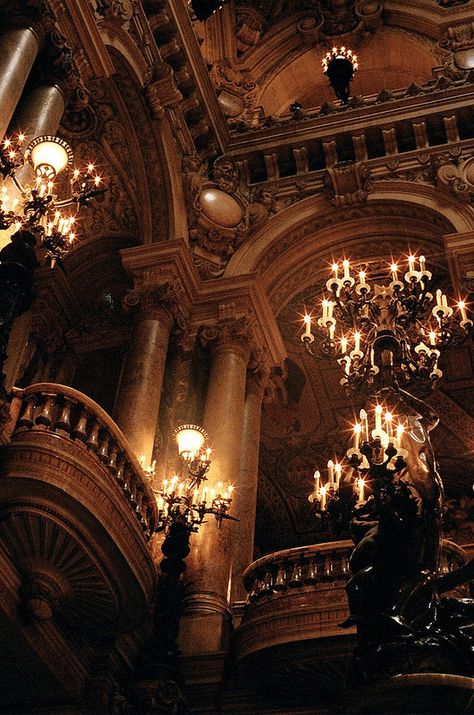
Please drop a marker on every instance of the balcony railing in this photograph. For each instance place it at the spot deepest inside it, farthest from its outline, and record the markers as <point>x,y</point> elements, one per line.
<point>299,594</point>
<point>67,413</point>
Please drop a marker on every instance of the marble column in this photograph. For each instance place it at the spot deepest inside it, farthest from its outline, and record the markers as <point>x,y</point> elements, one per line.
<point>19,47</point>
<point>245,501</point>
<point>206,620</point>
<point>138,397</point>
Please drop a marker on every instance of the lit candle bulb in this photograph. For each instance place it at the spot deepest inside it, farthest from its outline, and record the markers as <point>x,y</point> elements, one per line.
<point>196,496</point>
<point>394,271</point>
<point>365,422</point>
<point>347,368</point>
<point>325,310</point>
<point>378,421</point>
<point>462,308</point>
<point>219,487</point>
<point>422,260</point>
<point>411,263</point>
<point>400,431</point>
<point>335,268</point>
<point>208,453</point>
<point>337,473</point>
<point>331,471</point>
<point>204,495</point>
<point>307,323</point>
<point>357,342</point>
<point>362,275</point>
<point>357,433</point>
<point>444,300</point>
<point>212,494</point>
<point>332,331</point>
<point>432,336</point>
<point>346,266</point>
<point>317,483</point>
<point>388,425</point>
<point>439,299</point>
<point>360,485</point>
<point>322,496</point>
<point>343,345</point>
<point>330,308</point>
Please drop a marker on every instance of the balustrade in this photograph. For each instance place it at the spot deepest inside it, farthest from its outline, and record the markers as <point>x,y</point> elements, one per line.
<point>69,414</point>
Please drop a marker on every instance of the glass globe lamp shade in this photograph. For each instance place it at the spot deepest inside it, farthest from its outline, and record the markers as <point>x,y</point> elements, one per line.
<point>190,439</point>
<point>48,156</point>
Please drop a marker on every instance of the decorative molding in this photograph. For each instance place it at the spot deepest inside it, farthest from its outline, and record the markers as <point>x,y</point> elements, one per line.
<point>349,183</point>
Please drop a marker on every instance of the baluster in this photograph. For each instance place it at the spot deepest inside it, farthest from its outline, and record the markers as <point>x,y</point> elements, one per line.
<point>254,591</point>
<point>312,572</point>
<point>328,572</point>
<point>112,463</point>
<point>93,439</point>
<point>126,480</point>
<point>44,416</point>
<point>80,430</point>
<point>267,582</point>
<point>103,451</point>
<point>26,420</point>
<point>64,420</point>
<point>280,579</point>
<point>139,498</point>
<point>133,494</point>
<point>296,576</point>
<point>345,570</point>
<point>120,469</point>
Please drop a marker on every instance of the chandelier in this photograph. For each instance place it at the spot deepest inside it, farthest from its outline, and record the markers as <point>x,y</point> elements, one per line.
<point>36,209</point>
<point>183,499</point>
<point>339,66</point>
<point>375,458</point>
<point>390,334</point>
<point>205,8</point>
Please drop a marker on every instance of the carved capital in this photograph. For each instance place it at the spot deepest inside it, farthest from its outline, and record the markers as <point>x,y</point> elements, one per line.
<point>230,334</point>
<point>160,302</point>
<point>458,178</point>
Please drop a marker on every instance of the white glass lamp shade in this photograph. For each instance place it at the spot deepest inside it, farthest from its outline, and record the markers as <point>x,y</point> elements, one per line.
<point>48,156</point>
<point>190,439</point>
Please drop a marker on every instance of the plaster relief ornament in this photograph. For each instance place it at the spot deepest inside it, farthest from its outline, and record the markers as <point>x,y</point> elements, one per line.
<point>217,213</point>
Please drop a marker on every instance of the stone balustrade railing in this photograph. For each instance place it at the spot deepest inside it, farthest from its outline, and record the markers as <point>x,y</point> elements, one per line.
<point>68,413</point>
<point>293,569</point>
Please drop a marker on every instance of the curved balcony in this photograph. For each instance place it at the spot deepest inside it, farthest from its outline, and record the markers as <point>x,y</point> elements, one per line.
<point>76,516</point>
<point>290,630</point>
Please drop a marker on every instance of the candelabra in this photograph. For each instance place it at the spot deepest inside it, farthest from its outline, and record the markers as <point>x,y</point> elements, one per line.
<point>182,504</point>
<point>339,66</point>
<point>375,459</point>
<point>391,334</point>
<point>36,208</point>
<point>182,497</point>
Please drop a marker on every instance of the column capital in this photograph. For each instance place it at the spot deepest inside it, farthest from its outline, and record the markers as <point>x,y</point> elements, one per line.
<point>231,334</point>
<point>160,302</point>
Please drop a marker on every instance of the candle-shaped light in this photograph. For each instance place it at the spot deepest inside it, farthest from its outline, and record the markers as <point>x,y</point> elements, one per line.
<point>439,298</point>
<point>378,420</point>
<point>346,267</point>
<point>317,483</point>
<point>204,495</point>
<point>347,368</point>
<point>331,471</point>
<point>388,425</point>
<point>322,496</point>
<point>332,331</point>
<point>325,310</point>
<point>422,260</point>
<point>337,474</point>
<point>330,309</point>
<point>362,282</point>
<point>400,431</point>
<point>343,345</point>
<point>365,421</point>
<point>307,326</point>
<point>394,271</point>
<point>462,308</point>
<point>335,268</point>
<point>411,262</point>
<point>432,336</point>
<point>357,341</point>
<point>357,432</point>
<point>360,485</point>
<point>444,300</point>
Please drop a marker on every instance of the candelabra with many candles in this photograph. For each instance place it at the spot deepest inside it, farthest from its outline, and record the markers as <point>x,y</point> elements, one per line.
<point>386,338</point>
<point>183,503</point>
<point>32,215</point>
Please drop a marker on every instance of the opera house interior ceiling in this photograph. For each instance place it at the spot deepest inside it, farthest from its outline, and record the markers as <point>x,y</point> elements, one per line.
<point>236,357</point>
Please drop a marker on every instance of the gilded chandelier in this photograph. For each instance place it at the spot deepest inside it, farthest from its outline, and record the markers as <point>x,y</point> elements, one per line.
<point>36,208</point>
<point>183,498</point>
<point>384,335</point>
